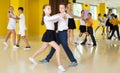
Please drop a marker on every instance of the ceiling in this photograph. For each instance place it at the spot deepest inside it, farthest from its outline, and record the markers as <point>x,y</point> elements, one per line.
<point>109,3</point>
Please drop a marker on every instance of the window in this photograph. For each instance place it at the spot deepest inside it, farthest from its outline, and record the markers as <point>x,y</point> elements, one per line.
<point>114,10</point>
<point>93,10</point>
<point>77,9</point>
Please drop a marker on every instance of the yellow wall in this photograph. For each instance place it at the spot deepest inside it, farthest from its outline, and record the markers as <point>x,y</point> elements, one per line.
<point>98,10</point>
<point>119,12</point>
<point>4,4</point>
<point>35,17</point>
<point>102,8</point>
<point>70,1</point>
<point>85,6</point>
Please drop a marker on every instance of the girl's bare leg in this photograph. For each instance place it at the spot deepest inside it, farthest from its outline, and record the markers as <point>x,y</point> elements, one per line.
<point>72,35</point>
<point>42,49</point>
<point>69,36</point>
<point>26,41</point>
<point>57,48</point>
<point>97,28</point>
<point>8,35</point>
<point>14,37</point>
<point>18,39</point>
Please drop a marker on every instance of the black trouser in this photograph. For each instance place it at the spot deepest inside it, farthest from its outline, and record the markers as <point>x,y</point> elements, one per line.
<point>90,31</point>
<point>62,38</point>
<point>115,28</point>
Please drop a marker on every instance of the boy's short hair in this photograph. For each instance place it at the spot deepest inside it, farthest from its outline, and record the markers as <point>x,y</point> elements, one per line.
<point>90,14</point>
<point>82,11</point>
<point>112,14</point>
<point>63,4</point>
<point>105,15</point>
<point>99,14</point>
<point>20,8</point>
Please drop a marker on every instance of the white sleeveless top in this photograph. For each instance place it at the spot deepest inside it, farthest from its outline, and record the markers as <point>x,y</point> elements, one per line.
<point>12,22</point>
<point>69,15</point>
<point>82,22</point>
<point>100,21</point>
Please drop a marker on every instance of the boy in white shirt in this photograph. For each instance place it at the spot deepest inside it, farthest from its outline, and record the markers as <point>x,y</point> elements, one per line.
<point>22,29</point>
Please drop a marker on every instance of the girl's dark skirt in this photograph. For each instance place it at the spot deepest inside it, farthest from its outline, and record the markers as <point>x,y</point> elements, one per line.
<point>82,28</point>
<point>49,36</point>
<point>71,23</point>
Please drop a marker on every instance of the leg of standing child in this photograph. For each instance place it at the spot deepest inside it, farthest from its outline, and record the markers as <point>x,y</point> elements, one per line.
<point>18,39</point>
<point>26,41</point>
<point>14,37</point>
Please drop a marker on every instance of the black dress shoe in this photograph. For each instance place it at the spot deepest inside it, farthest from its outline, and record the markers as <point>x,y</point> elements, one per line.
<point>83,43</point>
<point>94,44</point>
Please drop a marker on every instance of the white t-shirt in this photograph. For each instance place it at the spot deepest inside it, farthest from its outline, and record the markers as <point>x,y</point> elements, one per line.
<point>22,22</point>
<point>50,20</point>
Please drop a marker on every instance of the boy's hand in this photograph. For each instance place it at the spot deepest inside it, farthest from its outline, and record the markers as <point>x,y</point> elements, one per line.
<point>64,16</point>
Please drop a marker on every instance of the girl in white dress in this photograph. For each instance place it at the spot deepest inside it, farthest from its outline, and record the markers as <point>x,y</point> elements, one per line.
<point>11,27</point>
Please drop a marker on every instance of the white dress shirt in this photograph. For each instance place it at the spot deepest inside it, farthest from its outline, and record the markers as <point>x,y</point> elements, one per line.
<point>62,23</point>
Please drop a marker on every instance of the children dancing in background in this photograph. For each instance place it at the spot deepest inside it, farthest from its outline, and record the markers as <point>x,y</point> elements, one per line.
<point>101,23</point>
<point>89,30</point>
<point>114,21</point>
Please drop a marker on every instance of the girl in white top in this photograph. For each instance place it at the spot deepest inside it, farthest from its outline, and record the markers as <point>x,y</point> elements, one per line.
<point>11,27</point>
<point>100,23</point>
<point>105,19</point>
<point>71,23</point>
<point>49,36</point>
<point>22,29</point>
<point>82,24</point>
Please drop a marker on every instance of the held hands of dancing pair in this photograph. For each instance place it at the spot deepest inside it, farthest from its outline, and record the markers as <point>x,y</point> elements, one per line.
<point>63,15</point>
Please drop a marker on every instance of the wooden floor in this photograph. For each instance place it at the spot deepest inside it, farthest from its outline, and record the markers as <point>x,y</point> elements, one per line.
<point>104,58</point>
